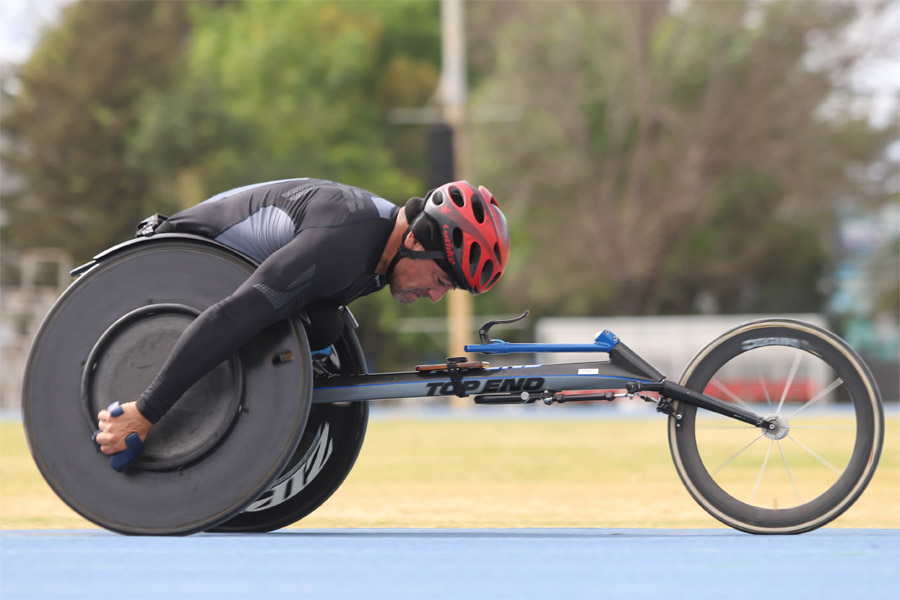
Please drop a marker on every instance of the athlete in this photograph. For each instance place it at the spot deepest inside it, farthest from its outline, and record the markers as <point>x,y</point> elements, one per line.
<point>320,245</point>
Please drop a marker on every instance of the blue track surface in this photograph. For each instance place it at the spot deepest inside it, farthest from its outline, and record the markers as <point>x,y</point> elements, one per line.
<point>460,564</point>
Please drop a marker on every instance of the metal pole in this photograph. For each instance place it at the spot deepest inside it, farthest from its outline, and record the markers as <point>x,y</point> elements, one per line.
<point>453,97</point>
<point>453,60</point>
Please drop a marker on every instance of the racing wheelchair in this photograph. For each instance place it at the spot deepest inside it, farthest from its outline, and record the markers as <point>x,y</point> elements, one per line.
<point>774,427</point>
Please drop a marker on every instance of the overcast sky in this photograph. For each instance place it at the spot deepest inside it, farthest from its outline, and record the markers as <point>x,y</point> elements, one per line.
<point>21,22</point>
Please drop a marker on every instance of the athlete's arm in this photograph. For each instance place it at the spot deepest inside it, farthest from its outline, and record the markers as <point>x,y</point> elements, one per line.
<point>316,264</point>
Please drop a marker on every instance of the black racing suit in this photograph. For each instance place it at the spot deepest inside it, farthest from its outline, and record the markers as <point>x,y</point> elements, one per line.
<point>318,244</point>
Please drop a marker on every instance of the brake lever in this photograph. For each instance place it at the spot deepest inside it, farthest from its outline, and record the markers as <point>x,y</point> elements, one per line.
<point>484,332</point>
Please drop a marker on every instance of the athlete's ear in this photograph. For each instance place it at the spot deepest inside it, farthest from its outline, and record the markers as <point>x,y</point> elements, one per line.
<point>412,243</point>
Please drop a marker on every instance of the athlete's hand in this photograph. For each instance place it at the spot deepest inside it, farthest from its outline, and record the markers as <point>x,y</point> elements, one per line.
<point>114,430</point>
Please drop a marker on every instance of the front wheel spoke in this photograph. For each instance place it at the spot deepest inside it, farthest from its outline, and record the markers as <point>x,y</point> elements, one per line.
<point>829,427</point>
<point>736,454</point>
<point>761,471</point>
<point>715,382</point>
<point>790,475</point>
<point>789,382</point>
<point>825,391</point>
<point>816,456</point>
<point>765,388</point>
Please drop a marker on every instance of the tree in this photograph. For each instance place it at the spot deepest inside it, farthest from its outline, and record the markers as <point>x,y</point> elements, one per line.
<point>664,154</point>
<point>70,123</point>
<point>271,90</point>
<point>130,108</point>
<point>279,89</point>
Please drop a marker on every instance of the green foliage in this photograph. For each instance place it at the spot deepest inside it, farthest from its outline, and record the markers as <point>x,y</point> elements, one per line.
<point>656,155</point>
<point>70,122</point>
<point>130,108</point>
<point>271,90</point>
<point>279,89</point>
<point>666,155</point>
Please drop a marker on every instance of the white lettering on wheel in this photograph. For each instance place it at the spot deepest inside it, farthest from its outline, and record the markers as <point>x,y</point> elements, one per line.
<point>302,476</point>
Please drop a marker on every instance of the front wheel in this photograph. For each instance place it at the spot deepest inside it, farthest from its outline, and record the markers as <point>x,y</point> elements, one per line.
<point>823,450</point>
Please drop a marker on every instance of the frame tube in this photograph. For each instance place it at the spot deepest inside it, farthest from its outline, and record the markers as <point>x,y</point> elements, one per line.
<point>512,380</point>
<point>529,378</point>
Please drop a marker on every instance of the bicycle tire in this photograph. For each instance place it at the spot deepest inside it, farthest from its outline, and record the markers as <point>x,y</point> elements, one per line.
<point>833,401</point>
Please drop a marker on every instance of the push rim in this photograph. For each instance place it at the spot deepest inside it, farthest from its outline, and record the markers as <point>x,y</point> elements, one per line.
<point>144,338</point>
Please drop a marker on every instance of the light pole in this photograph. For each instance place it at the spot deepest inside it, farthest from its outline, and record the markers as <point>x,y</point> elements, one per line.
<point>452,95</point>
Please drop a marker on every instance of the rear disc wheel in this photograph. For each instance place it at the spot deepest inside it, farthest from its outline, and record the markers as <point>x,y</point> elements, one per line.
<point>106,338</point>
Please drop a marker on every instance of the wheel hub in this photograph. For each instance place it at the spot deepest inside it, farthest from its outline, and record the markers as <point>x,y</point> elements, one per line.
<point>776,427</point>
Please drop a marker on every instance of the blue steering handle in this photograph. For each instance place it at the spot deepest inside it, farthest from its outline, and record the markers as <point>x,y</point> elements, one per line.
<point>133,444</point>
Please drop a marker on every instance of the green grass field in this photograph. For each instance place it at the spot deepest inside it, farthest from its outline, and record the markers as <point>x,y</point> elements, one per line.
<point>470,473</point>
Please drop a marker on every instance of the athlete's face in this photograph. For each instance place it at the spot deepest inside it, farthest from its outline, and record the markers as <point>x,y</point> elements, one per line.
<point>419,278</point>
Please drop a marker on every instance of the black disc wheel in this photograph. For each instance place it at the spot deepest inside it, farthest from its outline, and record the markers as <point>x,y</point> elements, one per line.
<point>326,454</point>
<point>819,448</point>
<point>224,442</point>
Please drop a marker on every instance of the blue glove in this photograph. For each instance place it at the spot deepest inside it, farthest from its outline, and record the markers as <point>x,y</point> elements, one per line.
<point>133,443</point>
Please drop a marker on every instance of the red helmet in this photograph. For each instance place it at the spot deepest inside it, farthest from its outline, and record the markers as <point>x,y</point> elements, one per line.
<point>474,231</point>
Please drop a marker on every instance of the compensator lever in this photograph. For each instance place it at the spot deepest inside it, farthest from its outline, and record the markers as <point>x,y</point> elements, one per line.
<point>484,332</point>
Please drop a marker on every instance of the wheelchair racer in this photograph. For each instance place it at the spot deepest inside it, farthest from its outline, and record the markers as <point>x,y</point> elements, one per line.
<point>320,245</point>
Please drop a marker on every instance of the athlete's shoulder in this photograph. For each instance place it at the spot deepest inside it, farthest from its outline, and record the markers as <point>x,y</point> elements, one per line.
<point>336,204</point>
<point>262,189</point>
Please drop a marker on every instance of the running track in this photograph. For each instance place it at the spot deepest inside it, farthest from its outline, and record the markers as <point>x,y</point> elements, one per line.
<point>464,564</point>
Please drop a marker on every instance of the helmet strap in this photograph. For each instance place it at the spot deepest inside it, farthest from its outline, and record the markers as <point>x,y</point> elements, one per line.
<point>404,252</point>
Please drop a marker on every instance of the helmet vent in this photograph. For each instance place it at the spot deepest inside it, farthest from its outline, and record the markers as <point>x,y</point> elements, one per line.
<point>486,272</point>
<point>457,196</point>
<point>477,208</point>
<point>474,259</point>
<point>457,237</point>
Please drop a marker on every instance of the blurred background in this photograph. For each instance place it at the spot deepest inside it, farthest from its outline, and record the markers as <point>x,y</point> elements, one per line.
<point>698,160</point>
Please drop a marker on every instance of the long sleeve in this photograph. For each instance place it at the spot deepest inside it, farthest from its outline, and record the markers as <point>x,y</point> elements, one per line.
<point>318,264</point>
